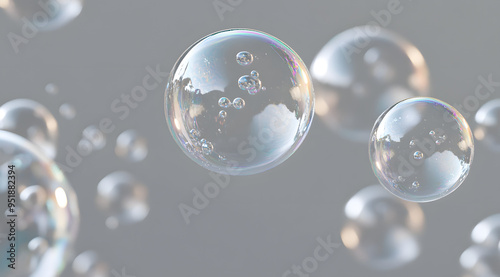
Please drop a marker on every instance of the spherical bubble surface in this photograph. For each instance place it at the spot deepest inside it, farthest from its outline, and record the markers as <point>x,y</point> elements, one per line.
<point>131,146</point>
<point>361,72</point>
<point>487,232</point>
<point>480,261</point>
<point>382,231</point>
<point>421,149</point>
<point>47,210</point>
<point>239,102</point>
<point>488,125</point>
<point>32,121</point>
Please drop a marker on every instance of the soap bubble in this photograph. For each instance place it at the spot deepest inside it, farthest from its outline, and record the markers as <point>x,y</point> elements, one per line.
<point>122,198</point>
<point>487,232</point>
<point>67,111</point>
<point>131,146</point>
<point>43,15</point>
<point>421,140</point>
<point>382,231</point>
<point>51,89</point>
<point>361,72</point>
<point>89,264</point>
<point>32,121</point>
<point>95,136</point>
<point>480,261</point>
<point>47,210</point>
<point>488,120</point>
<point>217,106</point>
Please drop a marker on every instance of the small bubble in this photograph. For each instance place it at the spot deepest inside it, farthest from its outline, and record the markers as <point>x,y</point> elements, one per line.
<point>412,143</point>
<point>438,142</point>
<point>415,185</point>
<point>67,111</point>
<point>207,147</point>
<point>222,114</point>
<point>401,178</point>
<point>418,155</point>
<point>254,74</point>
<point>51,89</point>
<point>244,58</point>
<point>264,88</point>
<point>224,102</point>
<point>238,103</point>
<point>432,133</point>
<point>194,134</point>
<point>249,84</point>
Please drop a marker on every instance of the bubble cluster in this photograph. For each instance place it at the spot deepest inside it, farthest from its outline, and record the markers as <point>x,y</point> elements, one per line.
<point>32,121</point>
<point>47,210</point>
<point>44,15</point>
<point>220,114</point>
<point>131,146</point>
<point>123,199</point>
<point>421,149</point>
<point>359,73</point>
<point>382,231</point>
<point>488,125</point>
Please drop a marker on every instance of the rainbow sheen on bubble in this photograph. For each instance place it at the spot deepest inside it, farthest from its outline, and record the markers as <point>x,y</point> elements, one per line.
<point>421,149</point>
<point>239,102</point>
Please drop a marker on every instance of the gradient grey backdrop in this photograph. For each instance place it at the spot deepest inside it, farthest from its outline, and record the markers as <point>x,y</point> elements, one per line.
<point>263,224</point>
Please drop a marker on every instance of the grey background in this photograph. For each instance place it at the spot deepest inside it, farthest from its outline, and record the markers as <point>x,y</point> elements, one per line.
<point>263,224</point>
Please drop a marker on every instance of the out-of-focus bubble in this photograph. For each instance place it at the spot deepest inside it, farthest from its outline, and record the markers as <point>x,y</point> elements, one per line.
<point>32,121</point>
<point>43,15</point>
<point>51,88</point>
<point>131,146</point>
<point>480,261</point>
<point>487,232</point>
<point>488,120</point>
<point>216,101</point>
<point>95,136</point>
<point>382,231</point>
<point>67,111</point>
<point>122,198</point>
<point>47,210</point>
<point>361,72</point>
<point>421,149</point>
<point>84,147</point>
<point>89,264</point>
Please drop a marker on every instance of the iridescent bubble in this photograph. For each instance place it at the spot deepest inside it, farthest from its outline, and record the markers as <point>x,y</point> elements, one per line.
<point>487,232</point>
<point>488,129</point>
<point>47,210</point>
<point>67,111</point>
<point>244,58</point>
<point>480,261</point>
<point>89,264</point>
<point>122,198</point>
<point>95,136</point>
<point>222,114</point>
<point>32,121</point>
<point>439,168</point>
<point>262,129</point>
<point>131,146</point>
<point>361,72</point>
<point>382,231</point>
<point>43,15</point>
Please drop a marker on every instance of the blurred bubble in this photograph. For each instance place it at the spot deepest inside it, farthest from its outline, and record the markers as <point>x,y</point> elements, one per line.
<point>487,232</point>
<point>122,198</point>
<point>67,111</point>
<point>84,147</point>
<point>32,121</point>
<point>89,264</point>
<point>47,210</point>
<point>360,73</point>
<point>95,136</point>
<point>480,261</point>
<point>382,230</point>
<point>43,15</point>
<point>51,88</point>
<point>131,146</point>
<point>488,120</point>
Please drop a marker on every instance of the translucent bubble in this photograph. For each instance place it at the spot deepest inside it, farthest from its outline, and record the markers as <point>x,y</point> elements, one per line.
<point>44,15</point>
<point>262,128</point>
<point>487,232</point>
<point>85,147</point>
<point>223,114</point>
<point>47,210</point>
<point>361,72</point>
<point>33,121</point>
<point>89,264</point>
<point>480,261</point>
<point>382,231</point>
<point>95,136</point>
<point>439,168</point>
<point>51,89</point>
<point>488,120</point>
<point>131,146</point>
<point>244,58</point>
<point>122,198</point>
<point>67,111</point>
